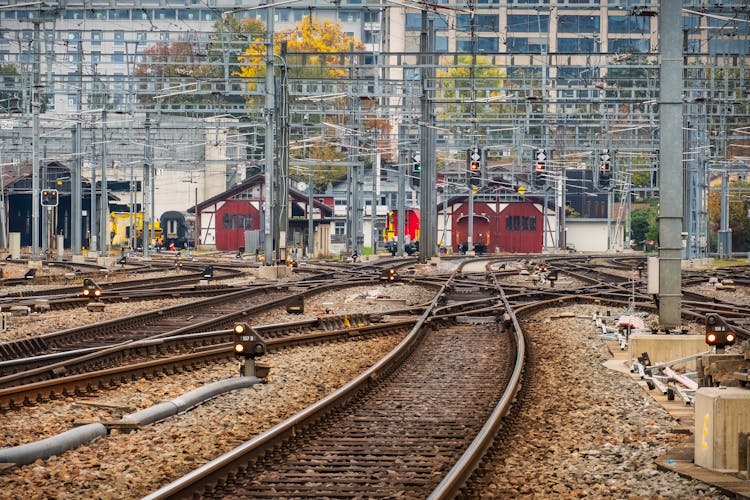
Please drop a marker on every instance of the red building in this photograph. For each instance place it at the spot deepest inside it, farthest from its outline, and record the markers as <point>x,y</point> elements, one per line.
<point>223,219</point>
<point>516,227</point>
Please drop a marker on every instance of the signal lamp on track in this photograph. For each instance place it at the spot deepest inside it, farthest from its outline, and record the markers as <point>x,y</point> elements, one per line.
<point>718,332</point>
<point>91,289</point>
<point>248,343</point>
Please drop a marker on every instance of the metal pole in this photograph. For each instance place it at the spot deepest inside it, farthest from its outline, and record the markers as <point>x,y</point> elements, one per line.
<point>3,226</point>
<point>269,177</point>
<point>76,204</point>
<point>470,236</point>
<point>145,186</point>
<point>310,224</point>
<point>282,213</point>
<point>35,105</point>
<point>92,206</point>
<point>401,201</point>
<point>104,200</point>
<point>375,178</point>
<point>197,225</point>
<point>670,157</point>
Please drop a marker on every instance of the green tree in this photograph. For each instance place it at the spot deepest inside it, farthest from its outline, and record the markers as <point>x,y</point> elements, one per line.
<point>458,83</point>
<point>10,99</point>
<point>739,222</point>
<point>644,225</point>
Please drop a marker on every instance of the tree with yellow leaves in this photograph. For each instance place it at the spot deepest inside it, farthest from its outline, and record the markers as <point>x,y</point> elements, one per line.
<point>456,84</point>
<point>324,46</point>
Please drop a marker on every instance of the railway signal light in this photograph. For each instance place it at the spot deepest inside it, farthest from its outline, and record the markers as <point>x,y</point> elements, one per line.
<point>605,168</point>
<point>49,197</point>
<point>91,289</point>
<point>540,155</point>
<point>718,332</point>
<point>390,275</point>
<point>248,343</point>
<point>208,273</point>
<point>416,159</point>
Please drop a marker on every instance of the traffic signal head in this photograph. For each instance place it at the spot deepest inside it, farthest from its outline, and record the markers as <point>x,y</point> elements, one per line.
<point>247,342</point>
<point>389,275</point>
<point>540,157</point>
<point>474,166</point>
<point>49,197</point>
<point>91,289</point>
<point>208,273</point>
<point>718,332</point>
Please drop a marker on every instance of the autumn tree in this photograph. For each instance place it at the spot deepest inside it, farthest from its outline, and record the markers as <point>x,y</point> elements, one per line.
<point>315,51</point>
<point>10,99</point>
<point>480,77</point>
<point>194,65</point>
<point>323,43</point>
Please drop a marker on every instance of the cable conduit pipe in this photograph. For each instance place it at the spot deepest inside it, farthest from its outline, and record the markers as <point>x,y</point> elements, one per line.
<point>30,452</point>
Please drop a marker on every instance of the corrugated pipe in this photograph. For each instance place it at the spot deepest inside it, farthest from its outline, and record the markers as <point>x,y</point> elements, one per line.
<point>45,448</point>
<point>28,453</point>
<point>188,400</point>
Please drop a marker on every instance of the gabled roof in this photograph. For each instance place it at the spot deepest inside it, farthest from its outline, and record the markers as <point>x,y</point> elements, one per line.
<point>259,179</point>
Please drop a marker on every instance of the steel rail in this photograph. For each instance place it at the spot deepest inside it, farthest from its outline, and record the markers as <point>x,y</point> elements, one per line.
<point>217,469</point>
<point>20,395</point>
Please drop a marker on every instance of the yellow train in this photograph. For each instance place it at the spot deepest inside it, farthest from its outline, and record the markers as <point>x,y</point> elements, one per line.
<point>120,232</point>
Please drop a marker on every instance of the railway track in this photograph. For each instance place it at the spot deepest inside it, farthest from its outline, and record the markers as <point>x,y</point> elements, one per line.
<point>344,448</point>
<point>416,422</point>
<point>17,394</point>
<point>214,313</point>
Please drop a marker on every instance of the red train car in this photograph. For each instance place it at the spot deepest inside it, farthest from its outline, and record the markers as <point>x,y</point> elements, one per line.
<point>411,225</point>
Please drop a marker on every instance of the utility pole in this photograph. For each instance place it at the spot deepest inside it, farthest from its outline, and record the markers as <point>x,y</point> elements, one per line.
<point>401,199</point>
<point>269,178</point>
<point>3,228</point>
<point>428,176</point>
<point>147,167</point>
<point>35,105</point>
<point>283,176</point>
<point>310,223</point>
<point>670,160</point>
<point>76,205</point>
<point>104,200</point>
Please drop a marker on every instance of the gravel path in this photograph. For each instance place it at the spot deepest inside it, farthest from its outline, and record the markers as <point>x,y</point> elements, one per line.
<point>588,431</point>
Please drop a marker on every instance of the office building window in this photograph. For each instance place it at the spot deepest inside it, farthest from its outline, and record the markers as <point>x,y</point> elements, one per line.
<point>119,14</point>
<point>188,14</point>
<point>629,24</point>
<point>628,45</point>
<point>576,45</point>
<point>96,14</point>
<point>487,44</point>
<point>165,14</point>
<point>528,23</point>
<point>525,45</point>
<point>119,37</point>
<point>441,44</point>
<point>578,24</point>
<point>96,37</point>
<point>72,14</point>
